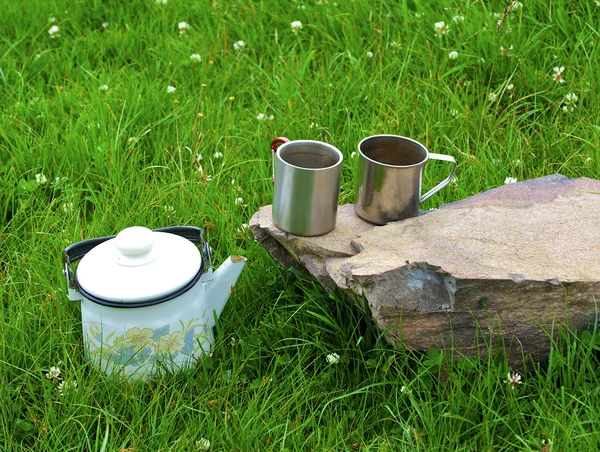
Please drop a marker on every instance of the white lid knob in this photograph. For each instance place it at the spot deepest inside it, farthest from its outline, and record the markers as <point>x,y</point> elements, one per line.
<point>135,241</point>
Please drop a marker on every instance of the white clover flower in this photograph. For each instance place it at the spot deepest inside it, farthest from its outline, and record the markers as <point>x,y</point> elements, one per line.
<point>218,155</point>
<point>239,201</point>
<point>41,179</point>
<point>239,46</point>
<point>369,54</point>
<point>395,45</point>
<point>454,180</point>
<point>232,181</point>
<point>505,51</point>
<point>103,88</point>
<point>53,31</point>
<point>296,25</point>
<point>38,56</point>
<point>513,379</point>
<point>404,389</point>
<point>454,112</point>
<point>202,444</point>
<point>457,19</point>
<point>570,103</point>
<point>195,57</point>
<point>313,125</point>
<point>588,161</point>
<point>333,358</point>
<point>171,89</point>
<point>51,19</point>
<point>453,55</point>
<point>571,98</point>
<point>441,28</point>
<point>67,387</point>
<point>509,87</point>
<point>53,374</point>
<point>557,76</point>
<point>170,210</point>
<point>199,157</point>
<point>105,25</point>
<point>510,180</point>
<point>243,227</point>
<point>261,117</point>
<point>67,207</point>
<point>183,27</point>
<point>516,5</point>
<point>493,97</point>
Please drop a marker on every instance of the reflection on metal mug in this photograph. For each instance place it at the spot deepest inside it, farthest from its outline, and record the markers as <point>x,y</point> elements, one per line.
<point>306,174</point>
<point>390,171</point>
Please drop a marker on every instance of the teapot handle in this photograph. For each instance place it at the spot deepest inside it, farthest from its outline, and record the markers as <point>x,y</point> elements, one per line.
<point>193,234</point>
<point>77,250</point>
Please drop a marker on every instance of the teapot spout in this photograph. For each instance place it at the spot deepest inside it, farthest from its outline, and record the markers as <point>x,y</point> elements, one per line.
<point>219,287</point>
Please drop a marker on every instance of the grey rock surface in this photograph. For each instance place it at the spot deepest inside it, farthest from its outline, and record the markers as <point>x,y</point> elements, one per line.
<point>502,266</point>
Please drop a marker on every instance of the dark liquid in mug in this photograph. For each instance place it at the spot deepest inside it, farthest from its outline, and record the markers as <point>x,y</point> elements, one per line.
<point>310,160</point>
<point>397,156</point>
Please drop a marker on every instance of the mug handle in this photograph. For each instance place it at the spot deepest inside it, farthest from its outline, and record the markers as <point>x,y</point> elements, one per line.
<point>277,141</point>
<point>438,187</point>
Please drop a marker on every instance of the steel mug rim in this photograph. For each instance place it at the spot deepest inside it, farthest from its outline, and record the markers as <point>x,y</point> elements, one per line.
<point>330,146</point>
<point>421,145</point>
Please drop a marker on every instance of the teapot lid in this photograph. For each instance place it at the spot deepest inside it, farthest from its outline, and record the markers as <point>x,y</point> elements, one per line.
<point>138,265</point>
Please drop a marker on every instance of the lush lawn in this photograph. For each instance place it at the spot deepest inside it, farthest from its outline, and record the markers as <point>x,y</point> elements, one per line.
<point>93,140</point>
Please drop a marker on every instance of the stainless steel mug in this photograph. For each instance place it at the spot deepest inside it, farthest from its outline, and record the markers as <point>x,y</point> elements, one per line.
<point>306,174</point>
<point>390,170</point>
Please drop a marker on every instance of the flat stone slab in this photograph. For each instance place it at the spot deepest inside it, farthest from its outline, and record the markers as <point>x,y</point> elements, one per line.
<point>504,265</point>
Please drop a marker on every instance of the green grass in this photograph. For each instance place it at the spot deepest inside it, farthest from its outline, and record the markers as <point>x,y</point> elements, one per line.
<point>127,156</point>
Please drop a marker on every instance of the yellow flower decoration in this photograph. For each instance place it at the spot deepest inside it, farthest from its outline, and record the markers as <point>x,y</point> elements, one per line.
<point>94,330</point>
<point>139,339</point>
<point>170,343</point>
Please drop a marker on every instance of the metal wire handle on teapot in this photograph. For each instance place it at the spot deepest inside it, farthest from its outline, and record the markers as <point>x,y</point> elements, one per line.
<point>76,251</point>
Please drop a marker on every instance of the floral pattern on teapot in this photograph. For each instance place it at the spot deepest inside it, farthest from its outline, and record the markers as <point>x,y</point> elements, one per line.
<point>146,346</point>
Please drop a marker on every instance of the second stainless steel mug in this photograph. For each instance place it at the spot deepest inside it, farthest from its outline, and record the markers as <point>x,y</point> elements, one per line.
<point>390,171</point>
<point>306,174</point>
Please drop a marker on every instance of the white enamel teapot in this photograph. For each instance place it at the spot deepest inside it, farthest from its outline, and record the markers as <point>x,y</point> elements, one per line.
<point>149,298</point>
